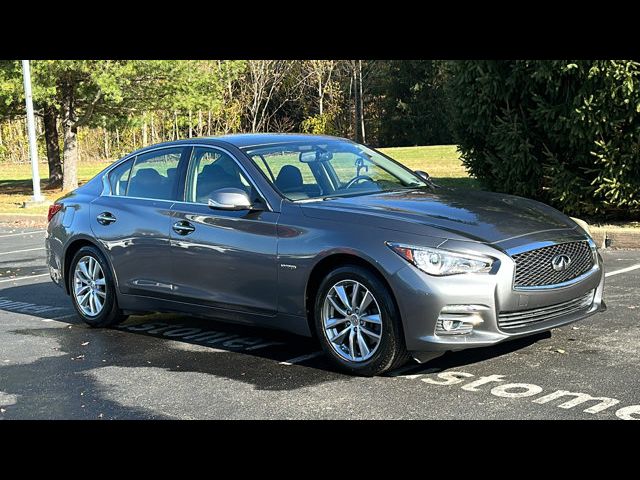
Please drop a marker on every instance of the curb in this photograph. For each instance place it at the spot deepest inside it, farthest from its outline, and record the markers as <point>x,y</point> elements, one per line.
<point>24,219</point>
<point>616,238</point>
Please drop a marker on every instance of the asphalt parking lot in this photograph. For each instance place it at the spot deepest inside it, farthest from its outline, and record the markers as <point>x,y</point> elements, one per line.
<point>171,366</point>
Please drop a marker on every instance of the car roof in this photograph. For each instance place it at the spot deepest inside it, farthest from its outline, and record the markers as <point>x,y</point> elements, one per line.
<point>244,140</point>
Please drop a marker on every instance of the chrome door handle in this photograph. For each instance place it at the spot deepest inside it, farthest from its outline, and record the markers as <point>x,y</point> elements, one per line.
<point>183,228</point>
<point>105,218</point>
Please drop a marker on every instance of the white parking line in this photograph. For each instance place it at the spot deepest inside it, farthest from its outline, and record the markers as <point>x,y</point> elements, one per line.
<point>301,358</point>
<point>399,371</point>
<point>21,251</point>
<point>61,317</point>
<point>622,270</point>
<point>23,233</point>
<point>15,279</point>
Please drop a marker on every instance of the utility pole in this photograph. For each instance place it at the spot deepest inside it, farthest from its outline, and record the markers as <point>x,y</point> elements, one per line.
<point>31,127</point>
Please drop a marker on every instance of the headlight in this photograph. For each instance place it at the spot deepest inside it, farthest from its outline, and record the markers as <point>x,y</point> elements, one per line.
<point>442,262</point>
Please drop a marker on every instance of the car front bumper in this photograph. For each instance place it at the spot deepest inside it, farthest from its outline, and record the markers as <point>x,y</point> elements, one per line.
<point>422,298</point>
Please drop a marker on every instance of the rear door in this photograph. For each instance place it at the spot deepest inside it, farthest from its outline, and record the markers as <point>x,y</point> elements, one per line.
<point>133,222</point>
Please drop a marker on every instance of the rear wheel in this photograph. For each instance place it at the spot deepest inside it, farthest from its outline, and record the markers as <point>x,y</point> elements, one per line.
<point>93,290</point>
<point>357,322</point>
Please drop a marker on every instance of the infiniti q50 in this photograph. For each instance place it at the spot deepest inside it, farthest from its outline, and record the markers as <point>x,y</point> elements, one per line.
<point>319,236</point>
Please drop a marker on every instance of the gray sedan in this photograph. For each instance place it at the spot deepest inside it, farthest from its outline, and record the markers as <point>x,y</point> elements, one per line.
<point>319,236</point>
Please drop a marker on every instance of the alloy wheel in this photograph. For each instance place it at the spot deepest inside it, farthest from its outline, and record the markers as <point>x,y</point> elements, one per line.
<point>352,321</point>
<point>89,286</point>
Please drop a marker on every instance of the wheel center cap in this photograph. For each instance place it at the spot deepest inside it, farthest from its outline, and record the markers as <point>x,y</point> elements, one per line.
<point>354,319</point>
<point>93,284</point>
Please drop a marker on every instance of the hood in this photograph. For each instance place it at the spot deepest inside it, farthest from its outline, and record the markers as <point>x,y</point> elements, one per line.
<point>472,214</point>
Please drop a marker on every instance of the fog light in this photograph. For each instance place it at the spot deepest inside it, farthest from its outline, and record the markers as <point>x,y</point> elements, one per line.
<point>449,325</point>
<point>459,319</point>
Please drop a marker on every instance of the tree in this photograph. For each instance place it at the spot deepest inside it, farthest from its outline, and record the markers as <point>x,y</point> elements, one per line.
<point>84,92</point>
<point>564,132</point>
<point>206,86</point>
<point>12,103</point>
<point>413,103</point>
<point>268,85</point>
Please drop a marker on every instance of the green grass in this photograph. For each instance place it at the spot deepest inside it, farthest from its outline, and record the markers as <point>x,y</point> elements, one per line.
<point>16,187</point>
<point>442,162</point>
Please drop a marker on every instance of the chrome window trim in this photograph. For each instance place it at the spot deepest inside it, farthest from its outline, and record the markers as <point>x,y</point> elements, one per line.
<point>185,145</point>
<point>142,198</point>
<point>132,156</point>
<point>547,243</point>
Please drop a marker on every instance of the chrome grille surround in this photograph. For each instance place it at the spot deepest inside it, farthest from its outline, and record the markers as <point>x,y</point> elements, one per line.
<point>533,268</point>
<point>509,321</point>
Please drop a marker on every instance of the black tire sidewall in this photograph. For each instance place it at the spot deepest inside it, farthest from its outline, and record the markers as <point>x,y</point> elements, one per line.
<point>391,348</point>
<point>110,313</point>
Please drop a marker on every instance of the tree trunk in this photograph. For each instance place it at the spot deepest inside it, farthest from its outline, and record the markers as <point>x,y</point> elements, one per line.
<point>363,136</point>
<point>70,147</point>
<point>356,101</point>
<point>199,122</point>
<point>153,129</point>
<point>320,94</point>
<point>52,142</point>
<point>190,124</point>
<point>145,139</point>
<point>208,124</point>
<point>70,154</point>
<point>107,150</point>
<point>24,146</point>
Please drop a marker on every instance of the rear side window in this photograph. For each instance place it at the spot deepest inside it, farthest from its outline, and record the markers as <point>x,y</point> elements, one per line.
<point>119,178</point>
<point>154,174</point>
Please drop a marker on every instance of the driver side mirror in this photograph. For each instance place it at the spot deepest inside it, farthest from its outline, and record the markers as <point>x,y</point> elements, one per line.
<point>230,199</point>
<point>423,175</point>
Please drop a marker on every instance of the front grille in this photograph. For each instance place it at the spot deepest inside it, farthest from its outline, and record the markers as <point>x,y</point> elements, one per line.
<point>524,318</point>
<point>534,267</point>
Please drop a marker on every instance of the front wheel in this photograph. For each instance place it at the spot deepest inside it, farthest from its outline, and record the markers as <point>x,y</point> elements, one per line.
<point>357,322</point>
<point>93,289</point>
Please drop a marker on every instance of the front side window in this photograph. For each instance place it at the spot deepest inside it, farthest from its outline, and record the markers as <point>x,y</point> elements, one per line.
<point>210,170</point>
<point>154,174</point>
<point>303,170</point>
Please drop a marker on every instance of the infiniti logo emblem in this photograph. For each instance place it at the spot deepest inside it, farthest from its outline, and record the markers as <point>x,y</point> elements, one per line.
<point>560,262</point>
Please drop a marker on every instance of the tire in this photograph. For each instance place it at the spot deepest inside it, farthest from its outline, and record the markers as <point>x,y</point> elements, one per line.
<point>389,352</point>
<point>109,314</point>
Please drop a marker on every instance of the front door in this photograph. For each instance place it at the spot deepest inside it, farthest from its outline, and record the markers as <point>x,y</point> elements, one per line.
<point>133,222</point>
<point>222,259</point>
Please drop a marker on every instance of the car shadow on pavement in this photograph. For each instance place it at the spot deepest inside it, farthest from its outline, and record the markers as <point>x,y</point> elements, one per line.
<point>181,343</point>
<point>462,358</point>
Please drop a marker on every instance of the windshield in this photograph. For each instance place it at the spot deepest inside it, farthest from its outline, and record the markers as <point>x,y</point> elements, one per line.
<point>325,169</point>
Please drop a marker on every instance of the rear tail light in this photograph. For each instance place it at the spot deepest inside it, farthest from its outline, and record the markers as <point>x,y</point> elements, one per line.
<point>53,209</point>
